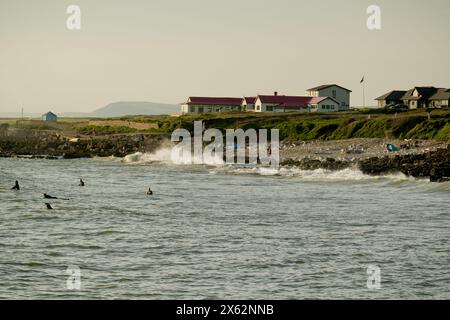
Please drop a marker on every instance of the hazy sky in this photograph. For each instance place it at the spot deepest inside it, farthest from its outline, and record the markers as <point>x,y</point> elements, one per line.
<point>166,50</point>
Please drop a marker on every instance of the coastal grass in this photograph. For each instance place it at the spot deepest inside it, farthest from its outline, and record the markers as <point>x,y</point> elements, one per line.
<point>415,124</point>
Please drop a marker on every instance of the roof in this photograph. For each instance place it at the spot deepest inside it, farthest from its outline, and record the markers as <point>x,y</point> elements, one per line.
<point>408,94</point>
<point>286,100</point>
<point>293,101</point>
<point>250,100</point>
<point>441,94</point>
<point>49,114</point>
<point>325,86</point>
<point>223,101</point>
<point>392,95</point>
<point>424,93</point>
<point>316,100</point>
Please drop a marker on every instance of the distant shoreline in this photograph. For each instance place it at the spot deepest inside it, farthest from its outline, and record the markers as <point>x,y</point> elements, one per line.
<point>328,141</point>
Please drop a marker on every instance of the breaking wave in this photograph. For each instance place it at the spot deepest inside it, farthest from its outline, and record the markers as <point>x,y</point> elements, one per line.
<point>349,174</point>
<point>161,155</point>
<point>164,156</point>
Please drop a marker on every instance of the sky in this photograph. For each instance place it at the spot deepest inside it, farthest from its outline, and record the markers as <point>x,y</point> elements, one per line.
<point>166,50</point>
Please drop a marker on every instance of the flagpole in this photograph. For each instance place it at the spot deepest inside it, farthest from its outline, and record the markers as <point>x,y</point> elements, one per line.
<point>364,93</point>
<point>363,81</point>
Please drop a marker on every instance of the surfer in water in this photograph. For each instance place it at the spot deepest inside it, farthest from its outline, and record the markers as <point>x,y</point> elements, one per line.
<point>81,183</point>
<point>49,207</point>
<point>16,186</point>
<point>46,196</point>
<point>149,192</point>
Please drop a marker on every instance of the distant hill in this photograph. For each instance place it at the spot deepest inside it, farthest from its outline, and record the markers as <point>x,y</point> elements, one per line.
<point>127,108</point>
<point>131,108</point>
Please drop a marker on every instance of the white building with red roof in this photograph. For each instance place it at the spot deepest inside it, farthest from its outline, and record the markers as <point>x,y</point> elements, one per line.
<point>248,104</point>
<point>338,93</point>
<point>211,104</point>
<point>281,103</point>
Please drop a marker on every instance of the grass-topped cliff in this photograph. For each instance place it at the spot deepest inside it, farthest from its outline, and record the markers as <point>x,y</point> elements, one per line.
<point>417,124</point>
<point>363,124</point>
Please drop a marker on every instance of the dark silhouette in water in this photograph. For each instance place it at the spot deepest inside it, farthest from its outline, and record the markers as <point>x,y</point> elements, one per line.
<point>49,207</point>
<point>149,192</point>
<point>16,186</point>
<point>81,183</point>
<point>46,196</point>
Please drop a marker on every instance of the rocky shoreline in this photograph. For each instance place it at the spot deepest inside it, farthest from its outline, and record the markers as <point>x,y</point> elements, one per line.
<point>45,145</point>
<point>433,165</point>
<point>422,163</point>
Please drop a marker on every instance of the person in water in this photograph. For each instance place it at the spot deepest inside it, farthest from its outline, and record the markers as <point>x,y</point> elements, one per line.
<point>149,192</point>
<point>16,186</point>
<point>49,207</point>
<point>81,183</point>
<point>46,196</point>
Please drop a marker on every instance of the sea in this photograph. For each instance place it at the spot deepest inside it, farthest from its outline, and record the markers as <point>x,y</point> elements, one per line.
<point>218,232</point>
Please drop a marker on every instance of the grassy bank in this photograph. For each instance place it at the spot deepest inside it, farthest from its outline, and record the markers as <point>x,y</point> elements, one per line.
<point>417,124</point>
<point>363,124</point>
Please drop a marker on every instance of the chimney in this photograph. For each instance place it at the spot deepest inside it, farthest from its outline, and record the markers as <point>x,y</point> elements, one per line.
<point>275,93</point>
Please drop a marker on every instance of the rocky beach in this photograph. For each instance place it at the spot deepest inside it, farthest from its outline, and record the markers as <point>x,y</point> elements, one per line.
<point>416,158</point>
<point>51,144</point>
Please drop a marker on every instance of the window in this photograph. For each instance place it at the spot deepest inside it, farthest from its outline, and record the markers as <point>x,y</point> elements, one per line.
<point>258,108</point>
<point>269,108</point>
<point>200,109</point>
<point>334,93</point>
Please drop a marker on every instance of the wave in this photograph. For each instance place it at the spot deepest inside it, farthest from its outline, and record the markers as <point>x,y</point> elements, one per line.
<point>161,155</point>
<point>349,174</point>
<point>165,155</point>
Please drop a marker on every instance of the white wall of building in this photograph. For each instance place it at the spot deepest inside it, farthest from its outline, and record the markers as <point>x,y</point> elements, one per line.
<point>192,108</point>
<point>327,105</point>
<point>335,92</point>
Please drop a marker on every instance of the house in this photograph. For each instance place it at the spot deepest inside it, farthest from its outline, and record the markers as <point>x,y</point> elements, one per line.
<point>440,99</point>
<point>281,103</point>
<point>211,104</point>
<point>324,104</point>
<point>50,117</point>
<point>416,98</point>
<point>391,98</point>
<point>248,104</point>
<point>419,97</point>
<point>334,91</point>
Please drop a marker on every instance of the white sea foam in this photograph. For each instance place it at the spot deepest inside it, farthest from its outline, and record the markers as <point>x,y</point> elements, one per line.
<point>160,155</point>
<point>164,156</point>
<point>349,174</point>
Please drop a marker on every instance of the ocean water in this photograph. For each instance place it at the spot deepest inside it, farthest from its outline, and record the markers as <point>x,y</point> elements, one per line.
<point>218,232</point>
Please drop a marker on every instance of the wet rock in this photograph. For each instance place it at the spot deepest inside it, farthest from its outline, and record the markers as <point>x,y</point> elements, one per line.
<point>434,165</point>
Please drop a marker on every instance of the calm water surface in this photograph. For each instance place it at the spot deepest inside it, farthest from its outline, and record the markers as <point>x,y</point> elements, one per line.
<point>219,233</point>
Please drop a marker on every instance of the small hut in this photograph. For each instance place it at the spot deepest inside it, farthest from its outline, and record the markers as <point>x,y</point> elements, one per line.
<point>50,117</point>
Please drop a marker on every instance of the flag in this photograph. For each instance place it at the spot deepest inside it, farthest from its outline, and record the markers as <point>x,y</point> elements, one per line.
<point>362,80</point>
